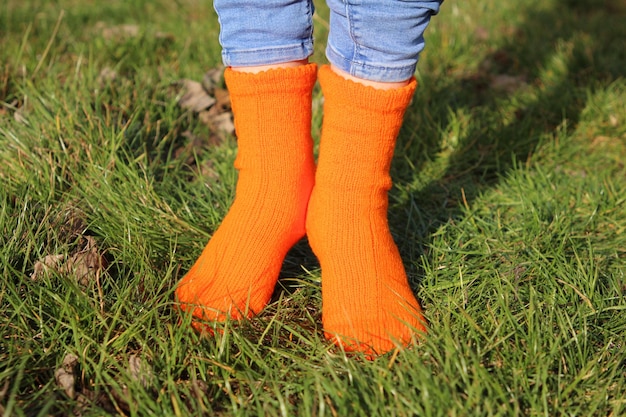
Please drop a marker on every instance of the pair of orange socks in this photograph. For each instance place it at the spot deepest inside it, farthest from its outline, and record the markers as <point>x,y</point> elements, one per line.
<point>367,303</point>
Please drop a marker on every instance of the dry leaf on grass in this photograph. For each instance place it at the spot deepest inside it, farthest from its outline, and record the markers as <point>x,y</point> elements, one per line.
<point>481,33</point>
<point>113,399</point>
<point>64,376</point>
<point>219,118</point>
<point>195,97</point>
<point>85,265</point>
<point>219,122</point>
<point>47,263</point>
<point>118,31</point>
<point>212,79</point>
<point>107,75</point>
<point>507,83</point>
<point>209,101</point>
<point>139,370</point>
<point>20,111</point>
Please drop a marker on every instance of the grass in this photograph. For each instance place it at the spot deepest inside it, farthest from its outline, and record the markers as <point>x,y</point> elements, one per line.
<point>508,205</point>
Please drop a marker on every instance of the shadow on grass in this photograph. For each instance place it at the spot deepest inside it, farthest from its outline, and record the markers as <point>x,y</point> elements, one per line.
<point>587,42</point>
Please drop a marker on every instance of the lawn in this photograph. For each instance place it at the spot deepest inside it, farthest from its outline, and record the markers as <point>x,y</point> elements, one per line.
<point>508,205</point>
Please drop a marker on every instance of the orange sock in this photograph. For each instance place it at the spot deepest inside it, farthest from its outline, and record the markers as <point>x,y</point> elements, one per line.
<point>236,273</point>
<point>367,303</point>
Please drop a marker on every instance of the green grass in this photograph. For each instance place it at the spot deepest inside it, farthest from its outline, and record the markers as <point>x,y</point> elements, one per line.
<point>509,207</point>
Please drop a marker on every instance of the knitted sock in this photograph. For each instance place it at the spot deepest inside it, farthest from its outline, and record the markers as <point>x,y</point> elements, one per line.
<point>236,273</point>
<point>367,303</point>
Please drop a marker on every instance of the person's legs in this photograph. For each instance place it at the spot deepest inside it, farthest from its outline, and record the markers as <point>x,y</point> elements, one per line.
<point>266,44</point>
<point>373,49</point>
<point>378,40</point>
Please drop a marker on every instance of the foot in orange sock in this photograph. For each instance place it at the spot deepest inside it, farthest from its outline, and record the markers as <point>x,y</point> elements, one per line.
<point>236,273</point>
<point>367,303</point>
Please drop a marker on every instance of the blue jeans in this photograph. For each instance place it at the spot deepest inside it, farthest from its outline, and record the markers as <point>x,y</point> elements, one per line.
<point>377,40</point>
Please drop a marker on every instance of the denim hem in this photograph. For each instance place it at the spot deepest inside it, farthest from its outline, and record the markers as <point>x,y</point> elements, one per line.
<point>267,56</point>
<point>382,72</point>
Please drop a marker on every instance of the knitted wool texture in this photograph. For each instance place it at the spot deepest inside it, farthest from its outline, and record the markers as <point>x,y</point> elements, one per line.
<point>236,273</point>
<point>367,304</point>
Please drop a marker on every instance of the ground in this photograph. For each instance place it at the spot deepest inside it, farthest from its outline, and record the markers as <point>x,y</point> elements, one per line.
<point>508,206</point>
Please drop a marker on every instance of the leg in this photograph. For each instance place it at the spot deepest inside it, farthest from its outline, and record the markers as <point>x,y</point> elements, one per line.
<point>270,87</point>
<point>367,302</point>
